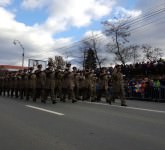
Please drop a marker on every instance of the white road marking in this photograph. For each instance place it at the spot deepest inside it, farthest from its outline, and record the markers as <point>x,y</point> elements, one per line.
<point>42,109</point>
<point>135,108</point>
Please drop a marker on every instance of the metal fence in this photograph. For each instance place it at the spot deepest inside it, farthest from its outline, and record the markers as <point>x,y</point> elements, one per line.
<point>146,93</point>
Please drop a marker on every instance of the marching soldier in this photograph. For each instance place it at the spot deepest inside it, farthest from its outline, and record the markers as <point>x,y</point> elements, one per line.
<point>118,85</point>
<point>58,83</point>
<point>76,76</point>
<point>31,85</point>
<point>23,83</point>
<point>77,85</point>
<point>93,86</point>
<point>12,84</point>
<point>4,85</point>
<point>81,85</point>
<point>1,83</point>
<point>15,91</point>
<point>103,84</point>
<point>18,84</point>
<point>68,84</point>
<point>8,83</point>
<point>87,85</point>
<point>50,83</point>
<point>40,84</point>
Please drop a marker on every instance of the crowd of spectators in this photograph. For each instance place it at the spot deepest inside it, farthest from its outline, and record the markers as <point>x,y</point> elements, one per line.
<point>152,68</point>
<point>145,80</point>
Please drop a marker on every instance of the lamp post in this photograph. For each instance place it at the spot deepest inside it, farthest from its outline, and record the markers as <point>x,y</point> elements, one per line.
<point>15,42</point>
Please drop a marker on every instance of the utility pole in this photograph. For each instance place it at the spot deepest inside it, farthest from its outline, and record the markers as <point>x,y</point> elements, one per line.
<point>15,42</point>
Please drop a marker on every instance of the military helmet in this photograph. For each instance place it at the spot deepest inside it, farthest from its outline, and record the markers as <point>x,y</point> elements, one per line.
<point>39,66</point>
<point>58,67</point>
<point>30,68</point>
<point>25,70</point>
<point>68,65</point>
<point>50,63</point>
<point>74,68</point>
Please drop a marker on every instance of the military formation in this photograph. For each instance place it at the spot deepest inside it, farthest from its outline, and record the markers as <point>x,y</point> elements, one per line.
<point>63,85</point>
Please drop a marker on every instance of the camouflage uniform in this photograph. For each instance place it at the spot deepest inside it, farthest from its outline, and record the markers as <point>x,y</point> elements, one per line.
<point>5,85</point>
<point>58,83</point>
<point>1,81</point>
<point>2,85</point>
<point>118,86</point>
<point>12,84</point>
<point>77,85</point>
<point>31,84</point>
<point>18,84</point>
<point>15,86</point>
<point>87,85</point>
<point>68,85</point>
<point>50,83</point>
<point>8,85</point>
<point>81,84</point>
<point>103,84</point>
<point>40,84</point>
<point>23,84</point>
<point>93,87</point>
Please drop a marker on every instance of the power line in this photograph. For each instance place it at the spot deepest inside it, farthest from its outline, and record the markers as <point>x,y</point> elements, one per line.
<point>151,22</point>
<point>151,13</point>
<point>146,16</point>
<point>160,11</point>
<point>147,13</point>
<point>154,21</point>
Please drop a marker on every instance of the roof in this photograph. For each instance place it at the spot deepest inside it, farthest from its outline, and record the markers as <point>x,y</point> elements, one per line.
<point>10,67</point>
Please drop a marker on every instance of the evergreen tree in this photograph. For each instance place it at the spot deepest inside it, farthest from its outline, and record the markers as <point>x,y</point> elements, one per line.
<point>90,61</point>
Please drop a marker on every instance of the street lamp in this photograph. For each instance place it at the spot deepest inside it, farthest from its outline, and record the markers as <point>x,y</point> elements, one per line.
<point>15,43</point>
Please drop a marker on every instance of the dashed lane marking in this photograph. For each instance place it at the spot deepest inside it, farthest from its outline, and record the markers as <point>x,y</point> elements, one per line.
<point>135,108</point>
<point>45,110</point>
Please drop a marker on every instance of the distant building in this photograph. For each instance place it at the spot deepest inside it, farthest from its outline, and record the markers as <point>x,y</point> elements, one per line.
<point>10,68</point>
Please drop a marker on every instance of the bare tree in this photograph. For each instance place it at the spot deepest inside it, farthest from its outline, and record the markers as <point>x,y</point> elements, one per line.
<point>135,54</point>
<point>119,34</point>
<point>151,53</point>
<point>58,61</point>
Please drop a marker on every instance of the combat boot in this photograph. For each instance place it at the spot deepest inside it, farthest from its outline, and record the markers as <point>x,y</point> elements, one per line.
<point>43,101</point>
<point>54,102</point>
<point>73,101</point>
<point>123,104</point>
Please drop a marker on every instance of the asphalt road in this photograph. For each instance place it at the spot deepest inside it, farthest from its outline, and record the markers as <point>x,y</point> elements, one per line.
<point>81,126</point>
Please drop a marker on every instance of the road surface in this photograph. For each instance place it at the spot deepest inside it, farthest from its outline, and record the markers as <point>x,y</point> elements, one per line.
<point>81,126</point>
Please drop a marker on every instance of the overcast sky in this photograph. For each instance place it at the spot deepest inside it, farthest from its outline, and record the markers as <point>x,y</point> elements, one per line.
<point>44,26</point>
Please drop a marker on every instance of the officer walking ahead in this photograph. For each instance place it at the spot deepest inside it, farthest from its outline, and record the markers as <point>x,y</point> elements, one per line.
<point>118,85</point>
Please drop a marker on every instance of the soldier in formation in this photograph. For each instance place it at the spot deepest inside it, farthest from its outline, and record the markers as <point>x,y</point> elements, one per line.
<point>68,84</point>
<point>50,83</point>
<point>118,85</point>
<point>104,85</point>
